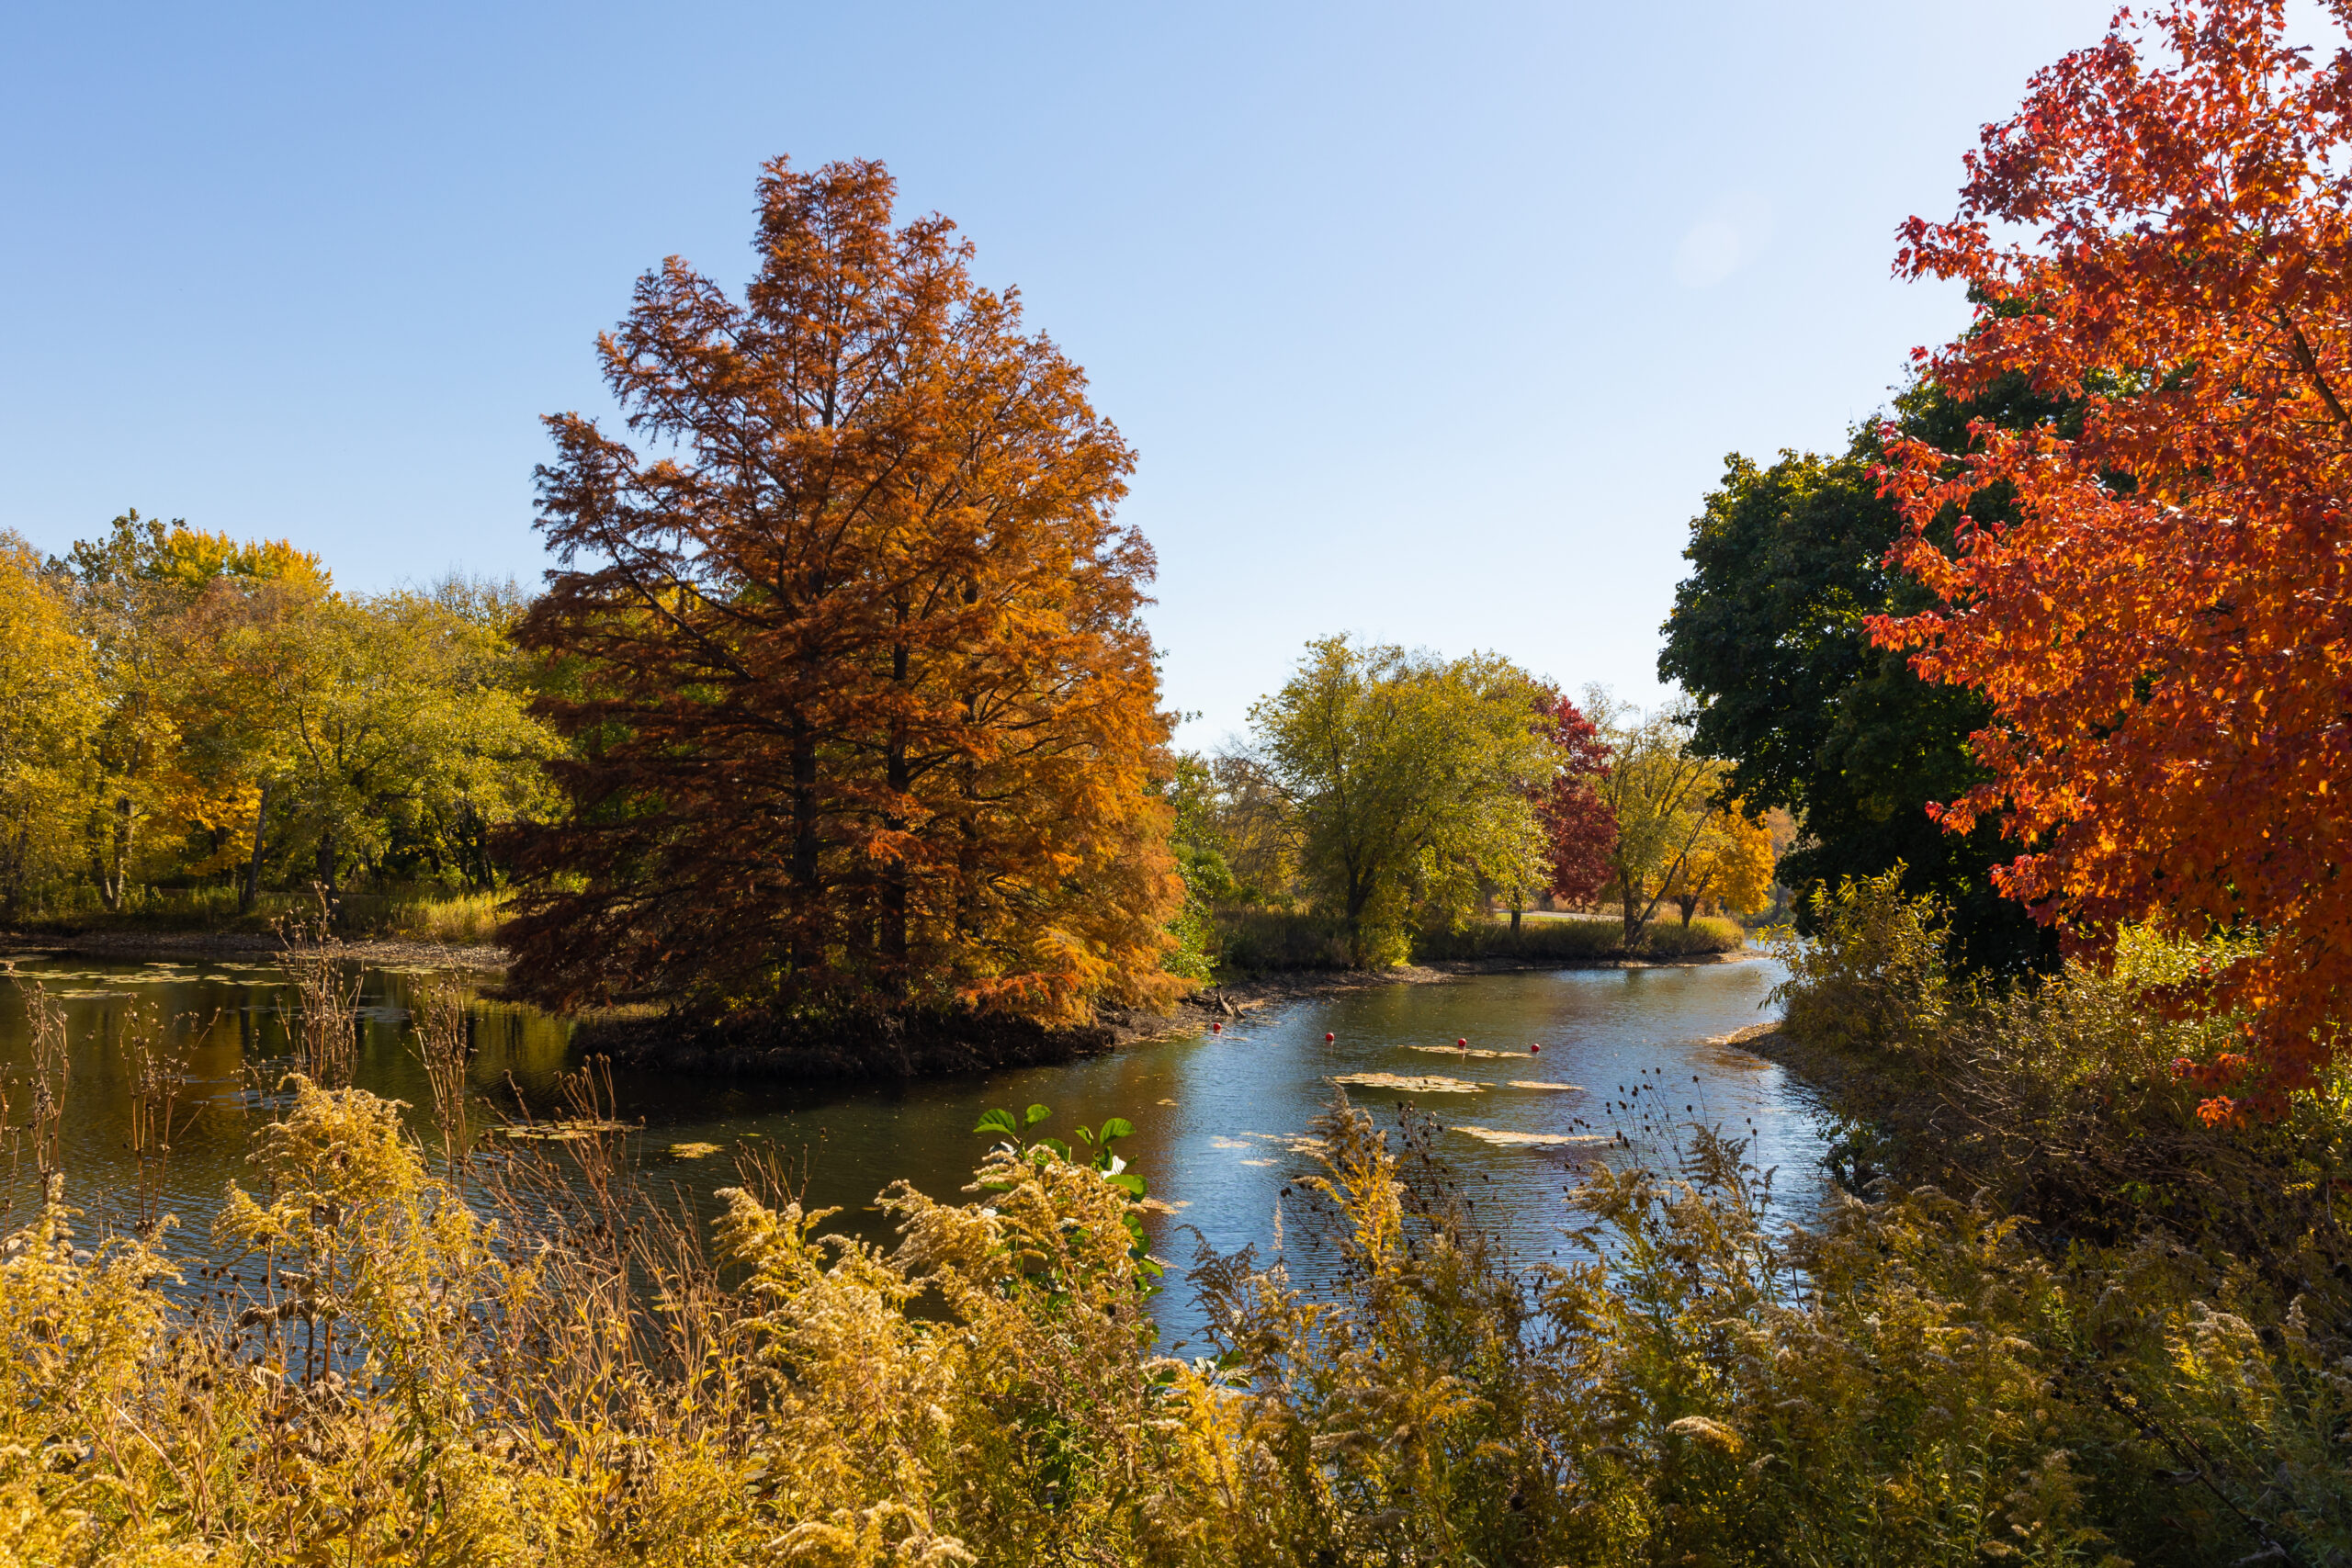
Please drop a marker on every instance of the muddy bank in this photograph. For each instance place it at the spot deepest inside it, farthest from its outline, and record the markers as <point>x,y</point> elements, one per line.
<point>872,1047</point>
<point>132,947</point>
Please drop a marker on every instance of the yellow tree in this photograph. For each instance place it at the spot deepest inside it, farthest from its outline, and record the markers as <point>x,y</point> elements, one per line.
<point>180,754</point>
<point>1731,862</point>
<point>49,711</point>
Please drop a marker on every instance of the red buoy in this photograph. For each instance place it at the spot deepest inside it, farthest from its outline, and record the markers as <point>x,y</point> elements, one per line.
<point>1216,1029</point>
<point>1535,1050</point>
<point>1328,1037</point>
<point>1461,1042</point>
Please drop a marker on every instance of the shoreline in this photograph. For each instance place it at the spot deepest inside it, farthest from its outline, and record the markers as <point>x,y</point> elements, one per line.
<point>134,946</point>
<point>1298,985</point>
<point>647,1037</point>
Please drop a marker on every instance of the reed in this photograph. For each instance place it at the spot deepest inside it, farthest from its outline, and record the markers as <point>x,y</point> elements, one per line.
<point>443,1041</point>
<point>326,989</point>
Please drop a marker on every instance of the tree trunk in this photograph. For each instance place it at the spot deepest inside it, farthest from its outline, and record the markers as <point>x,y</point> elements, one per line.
<point>112,887</point>
<point>16,871</point>
<point>251,892</point>
<point>1689,907</point>
<point>1632,920</point>
<point>805,896</point>
<point>894,871</point>
<point>1514,917</point>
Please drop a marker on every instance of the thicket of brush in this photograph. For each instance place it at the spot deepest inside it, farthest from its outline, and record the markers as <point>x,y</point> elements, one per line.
<point>392,1353</point>
<point>1246,940</point>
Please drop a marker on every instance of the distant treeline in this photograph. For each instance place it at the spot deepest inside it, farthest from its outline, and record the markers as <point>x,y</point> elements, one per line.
<point>179,709</point>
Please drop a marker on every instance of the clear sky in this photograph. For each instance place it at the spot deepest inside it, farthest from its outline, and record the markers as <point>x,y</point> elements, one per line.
<point>1430,322</point>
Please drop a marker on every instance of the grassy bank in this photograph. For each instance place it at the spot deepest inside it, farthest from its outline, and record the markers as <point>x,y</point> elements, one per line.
<point>1255,941</point>
<point>420,914</point>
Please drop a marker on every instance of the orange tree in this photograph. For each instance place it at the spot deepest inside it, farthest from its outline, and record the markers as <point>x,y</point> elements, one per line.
<point>864,709</point>
<point>2164,631</point>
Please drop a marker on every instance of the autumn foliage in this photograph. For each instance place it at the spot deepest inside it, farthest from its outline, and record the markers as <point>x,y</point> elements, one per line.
<point>1579,828</point>
<point>863,706</point>
<point>2165,632</point>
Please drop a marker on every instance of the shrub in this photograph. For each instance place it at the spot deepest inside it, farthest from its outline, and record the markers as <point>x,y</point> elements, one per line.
<point>1872,976</point>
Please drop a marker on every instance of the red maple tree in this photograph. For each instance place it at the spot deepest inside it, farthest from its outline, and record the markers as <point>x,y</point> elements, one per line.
<point>1579,831</point>
<point>2163,232</point>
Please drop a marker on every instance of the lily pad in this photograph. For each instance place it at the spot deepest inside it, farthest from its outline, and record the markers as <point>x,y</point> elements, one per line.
<point>562,1131</point>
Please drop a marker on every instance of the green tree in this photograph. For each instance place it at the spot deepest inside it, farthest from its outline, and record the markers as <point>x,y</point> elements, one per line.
<point>396,725</point>
<point>1661,791</point>
<point>1410,778</point>
<point>1767,637</point>
<point>127,610</point>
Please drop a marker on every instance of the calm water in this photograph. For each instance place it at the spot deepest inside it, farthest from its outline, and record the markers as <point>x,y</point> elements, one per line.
<point>1215,1116</point>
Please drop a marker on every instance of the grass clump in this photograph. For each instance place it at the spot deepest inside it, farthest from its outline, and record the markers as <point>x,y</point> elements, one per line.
<point>425,913</point>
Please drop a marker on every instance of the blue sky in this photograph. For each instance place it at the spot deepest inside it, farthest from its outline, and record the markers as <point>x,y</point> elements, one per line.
<point>1431,324</point>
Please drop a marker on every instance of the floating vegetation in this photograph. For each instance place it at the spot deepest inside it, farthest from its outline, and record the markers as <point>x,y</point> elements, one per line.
<point>694,1151</point>
<point>1503,1137</point>
<point>1555,1087</point>
<point>562,1132</point>
<point>1257,1162</point>
<point>1461,1051</point>
<point>1431,1085</point>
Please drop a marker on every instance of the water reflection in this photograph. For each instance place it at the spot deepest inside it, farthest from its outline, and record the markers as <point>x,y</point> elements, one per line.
<point>1218,1117</point>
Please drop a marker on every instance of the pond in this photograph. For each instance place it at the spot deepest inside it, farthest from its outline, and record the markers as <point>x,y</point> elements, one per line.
<point>1219,1116</point>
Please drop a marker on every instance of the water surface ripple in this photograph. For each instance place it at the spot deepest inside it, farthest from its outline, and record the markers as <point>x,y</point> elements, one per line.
<point>1218,1117</point>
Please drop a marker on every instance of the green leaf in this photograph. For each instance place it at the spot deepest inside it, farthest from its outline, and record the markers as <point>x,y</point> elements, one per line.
<point>999,1122</point>
<point>1127,1181</point>
<point>1037,1113</point>
<point>1057,1145</point>
<point>1118,1127</point>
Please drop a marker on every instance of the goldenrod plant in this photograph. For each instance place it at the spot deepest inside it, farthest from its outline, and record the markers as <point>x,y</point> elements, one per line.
<point>515,1354</point>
